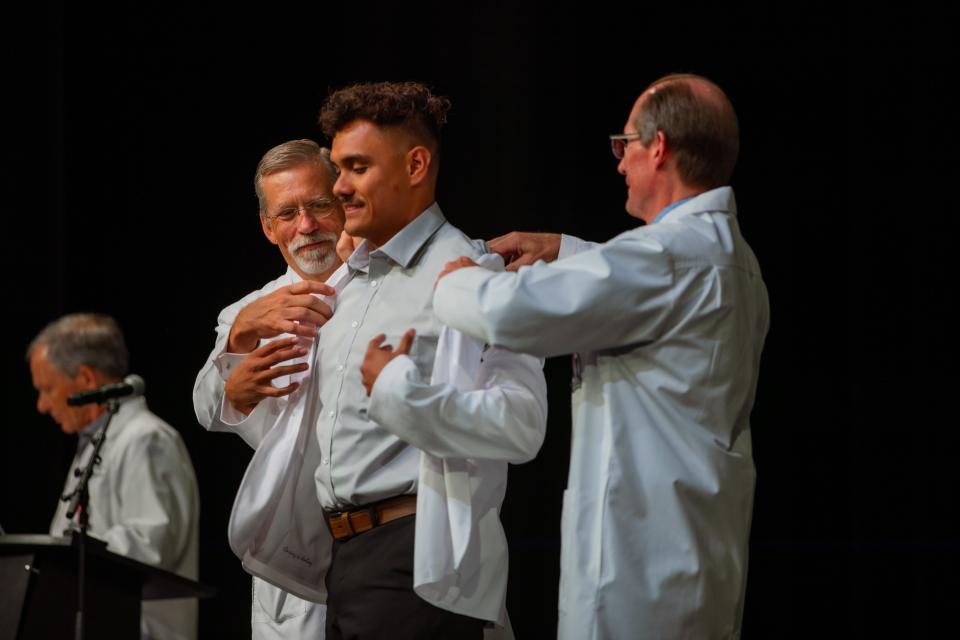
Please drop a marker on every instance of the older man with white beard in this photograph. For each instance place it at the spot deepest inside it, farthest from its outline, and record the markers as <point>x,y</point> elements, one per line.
<point>263,337</point>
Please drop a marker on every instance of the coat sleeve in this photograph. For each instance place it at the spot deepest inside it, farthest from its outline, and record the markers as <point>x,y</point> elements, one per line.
<point>570,245</point>
<point>504,418</point>
<point>209,403</point>
<point>156,500</point>
<point>612,295</point>
<point>208,388</point>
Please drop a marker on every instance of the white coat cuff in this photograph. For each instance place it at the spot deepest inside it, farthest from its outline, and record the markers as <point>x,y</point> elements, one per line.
<point>390,387</point>
<point>233,417</point>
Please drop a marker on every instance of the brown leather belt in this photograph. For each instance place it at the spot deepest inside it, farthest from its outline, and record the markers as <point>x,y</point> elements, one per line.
<point>346,524</point>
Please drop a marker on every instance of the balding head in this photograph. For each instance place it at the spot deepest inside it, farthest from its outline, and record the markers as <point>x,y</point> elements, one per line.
<point>699,125</point>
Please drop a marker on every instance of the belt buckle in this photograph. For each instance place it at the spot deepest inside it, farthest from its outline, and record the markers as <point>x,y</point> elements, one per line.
<point>340,525</point>
<point>339,522</point>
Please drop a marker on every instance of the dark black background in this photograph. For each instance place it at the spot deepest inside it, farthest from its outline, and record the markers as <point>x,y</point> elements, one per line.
<point>129,143</point>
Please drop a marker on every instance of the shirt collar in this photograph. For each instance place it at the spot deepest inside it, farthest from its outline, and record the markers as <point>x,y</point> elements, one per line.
<point>127,406</point>
<point>720,199</point>
<point>667,209</point>
<point>404,246</point>
<point>88,432</point>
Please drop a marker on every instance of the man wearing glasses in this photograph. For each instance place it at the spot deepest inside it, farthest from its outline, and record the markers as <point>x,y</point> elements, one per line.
<point>262,339</point>
<point>666,323</point>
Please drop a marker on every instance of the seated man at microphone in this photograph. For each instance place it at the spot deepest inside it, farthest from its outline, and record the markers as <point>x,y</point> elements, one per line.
<point>143,499</point>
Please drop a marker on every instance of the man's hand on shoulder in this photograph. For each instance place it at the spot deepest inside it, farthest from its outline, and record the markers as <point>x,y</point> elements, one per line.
<point>460,263</point>
<point>520,248</point>
<point>291,309</point>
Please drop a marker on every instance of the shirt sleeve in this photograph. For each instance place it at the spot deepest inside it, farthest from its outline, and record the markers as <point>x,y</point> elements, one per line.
<point>612,295</point>
<point>504,418</point>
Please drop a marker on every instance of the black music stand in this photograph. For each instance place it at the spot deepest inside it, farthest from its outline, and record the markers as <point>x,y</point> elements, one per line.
<point>38,594</point>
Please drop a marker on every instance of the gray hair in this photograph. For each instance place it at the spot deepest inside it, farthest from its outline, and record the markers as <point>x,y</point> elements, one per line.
<point>91,339</point>
<point>700,126</point>
<point>288,155</point>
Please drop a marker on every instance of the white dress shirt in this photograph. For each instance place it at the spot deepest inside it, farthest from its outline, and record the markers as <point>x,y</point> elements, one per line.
<point>668,322</point>
<point>144,504</point>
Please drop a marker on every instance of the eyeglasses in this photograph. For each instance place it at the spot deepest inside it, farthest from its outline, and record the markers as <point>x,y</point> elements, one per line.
<point>316,209</point>
<point>618,143</point>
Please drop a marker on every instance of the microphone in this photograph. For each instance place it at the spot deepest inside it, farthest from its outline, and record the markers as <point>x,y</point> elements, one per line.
<point>132,385</point>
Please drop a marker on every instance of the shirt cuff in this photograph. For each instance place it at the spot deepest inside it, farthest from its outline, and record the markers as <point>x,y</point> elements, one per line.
<point>570,245</point>
<point>227,362</point>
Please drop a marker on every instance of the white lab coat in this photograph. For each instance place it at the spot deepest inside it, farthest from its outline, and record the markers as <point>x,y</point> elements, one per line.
<point>145,505</point>
<point>668,322</point>
<point>275,614</point>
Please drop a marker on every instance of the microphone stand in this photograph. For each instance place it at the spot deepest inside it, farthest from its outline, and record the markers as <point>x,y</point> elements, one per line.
<point>79,504</point>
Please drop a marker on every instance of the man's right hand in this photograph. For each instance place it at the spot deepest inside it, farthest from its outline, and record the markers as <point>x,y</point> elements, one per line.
<point>252,380</point>
<point>520,248</point>
<point>291,309</point>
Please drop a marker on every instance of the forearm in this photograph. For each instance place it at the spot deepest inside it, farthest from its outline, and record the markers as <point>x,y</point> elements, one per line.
<point>224,417</point>
<point>213,409</point>
<point>504,419</point>
<point>610,296</point>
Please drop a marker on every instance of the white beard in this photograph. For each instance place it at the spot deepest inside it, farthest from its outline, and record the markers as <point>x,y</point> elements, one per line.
<point>318,260</point>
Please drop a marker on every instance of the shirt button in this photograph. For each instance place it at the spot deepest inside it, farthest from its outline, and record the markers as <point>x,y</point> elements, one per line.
<point>354,324</point>
<point>331,414</point>
<point>339,367</point>
<point>326,461</point>
<point>373,283</point>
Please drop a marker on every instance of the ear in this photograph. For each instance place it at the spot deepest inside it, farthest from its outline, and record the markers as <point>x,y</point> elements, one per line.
<point>86,378</point>
<point>267,231</point>
<point>418,164</point>
<point>658,150</point>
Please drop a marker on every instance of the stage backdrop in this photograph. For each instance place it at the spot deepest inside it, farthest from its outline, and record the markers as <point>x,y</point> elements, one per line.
<point>130,143</point>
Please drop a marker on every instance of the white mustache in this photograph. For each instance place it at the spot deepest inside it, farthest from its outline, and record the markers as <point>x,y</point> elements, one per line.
<point>318,236</point>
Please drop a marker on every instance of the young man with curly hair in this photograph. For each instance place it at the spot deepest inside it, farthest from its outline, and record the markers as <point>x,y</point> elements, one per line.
<point>400,430</point>
<point>386,144</point>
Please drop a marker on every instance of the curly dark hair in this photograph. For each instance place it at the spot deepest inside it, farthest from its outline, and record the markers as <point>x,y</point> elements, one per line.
<point>410,105</point>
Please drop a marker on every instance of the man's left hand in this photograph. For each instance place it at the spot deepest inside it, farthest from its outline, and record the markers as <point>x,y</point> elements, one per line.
<point>453,265</point>
<point>380,356</point>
